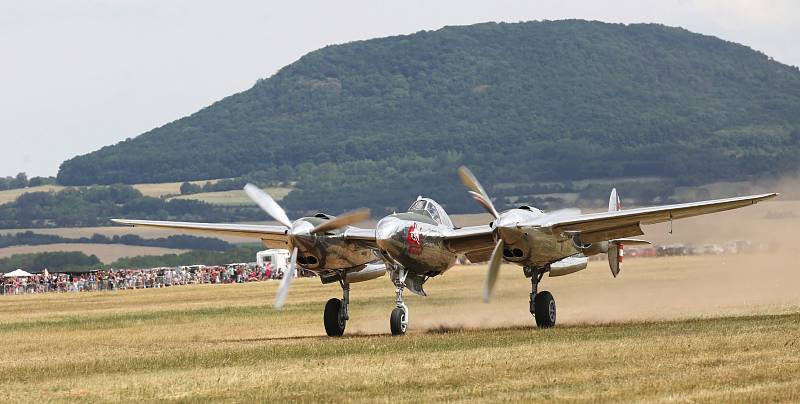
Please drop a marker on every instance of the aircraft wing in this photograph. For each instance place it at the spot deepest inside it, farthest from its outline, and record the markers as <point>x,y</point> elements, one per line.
<point>365,237</point>
<point>603,226</point>
<point>263,232</point>
<point>474,241</point>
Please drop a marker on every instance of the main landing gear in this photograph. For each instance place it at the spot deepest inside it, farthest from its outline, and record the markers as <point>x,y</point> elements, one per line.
<point>542,304</point>
<point>398,321</point>
<point>337,312</point>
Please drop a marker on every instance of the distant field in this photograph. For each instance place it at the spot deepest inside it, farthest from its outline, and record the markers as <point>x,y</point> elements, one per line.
<point>677,329</point>
<point>154,190</point>
<point>107,253</point>
<point>11,195</point>
<point>235,197</point>
<point>166,188</point>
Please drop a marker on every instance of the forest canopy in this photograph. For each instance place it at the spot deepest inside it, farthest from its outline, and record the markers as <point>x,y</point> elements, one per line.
<point>519,103</point>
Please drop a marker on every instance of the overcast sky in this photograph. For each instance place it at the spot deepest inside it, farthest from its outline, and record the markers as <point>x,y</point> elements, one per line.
<point>78,75</point>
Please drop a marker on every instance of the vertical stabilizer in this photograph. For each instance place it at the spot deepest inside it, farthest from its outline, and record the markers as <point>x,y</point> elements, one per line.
<point>613,201</point>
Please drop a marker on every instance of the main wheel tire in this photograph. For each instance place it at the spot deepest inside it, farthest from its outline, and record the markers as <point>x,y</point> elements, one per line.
<point>397,321</point>
<point>545,307</point>
<point>334,324</point>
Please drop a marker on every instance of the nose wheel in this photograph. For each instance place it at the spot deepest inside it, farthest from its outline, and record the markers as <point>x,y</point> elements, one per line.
<point>398,320</point>
<point>337,313</point>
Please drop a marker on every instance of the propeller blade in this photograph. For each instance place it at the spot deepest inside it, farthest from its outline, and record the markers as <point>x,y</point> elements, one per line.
<point>342,220</point>
<point>494,270</point>
<point>283,291</point>
<point>268,204</point>
<point>476,190</point>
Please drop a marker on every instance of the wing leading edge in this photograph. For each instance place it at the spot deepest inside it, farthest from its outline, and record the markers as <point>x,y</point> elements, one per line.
<point>471,240</point>
<point>275,236</point>
<point>263,232</point>
<point>624,223</point>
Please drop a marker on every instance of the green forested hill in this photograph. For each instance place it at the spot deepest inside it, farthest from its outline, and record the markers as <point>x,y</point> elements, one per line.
<point>390,118</point>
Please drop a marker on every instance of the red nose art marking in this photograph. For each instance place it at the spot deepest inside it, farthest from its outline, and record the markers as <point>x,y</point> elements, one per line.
<point>414,240</point>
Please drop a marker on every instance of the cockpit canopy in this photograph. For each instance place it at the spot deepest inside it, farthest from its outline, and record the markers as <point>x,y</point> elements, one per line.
<point>529,208</point>
<point>429,207</point>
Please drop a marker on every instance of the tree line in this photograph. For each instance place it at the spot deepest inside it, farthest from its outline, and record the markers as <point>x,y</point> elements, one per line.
<point>57,261</point>
<point>21,180</point>
<point>174,241</point>
<point>94,206</point>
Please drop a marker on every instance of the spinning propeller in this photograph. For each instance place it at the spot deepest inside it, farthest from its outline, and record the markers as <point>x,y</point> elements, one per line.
<point>479,194</point>
<point>295,230</point>
<point>502,221</point>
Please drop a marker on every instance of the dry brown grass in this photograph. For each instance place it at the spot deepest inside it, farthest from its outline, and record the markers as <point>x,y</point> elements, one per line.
<point>164,188</point>
<point>225,342</point>
<point>107,253</point>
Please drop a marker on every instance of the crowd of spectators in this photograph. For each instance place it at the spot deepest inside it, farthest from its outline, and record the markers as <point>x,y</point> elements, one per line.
<point>103,280</point>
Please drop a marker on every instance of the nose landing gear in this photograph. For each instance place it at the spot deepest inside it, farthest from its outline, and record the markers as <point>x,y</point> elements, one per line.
<point>398,320</point>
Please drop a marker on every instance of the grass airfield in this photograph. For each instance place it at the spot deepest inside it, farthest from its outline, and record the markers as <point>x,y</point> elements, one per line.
<point>669,329</point>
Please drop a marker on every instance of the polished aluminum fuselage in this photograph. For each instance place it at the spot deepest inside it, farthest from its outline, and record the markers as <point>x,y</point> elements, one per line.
<point>415,242</point>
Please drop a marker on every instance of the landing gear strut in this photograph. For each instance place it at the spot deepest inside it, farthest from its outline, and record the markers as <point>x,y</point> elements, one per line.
<point>542,304</point>
<point>337,312</point>
<point>398,321</point>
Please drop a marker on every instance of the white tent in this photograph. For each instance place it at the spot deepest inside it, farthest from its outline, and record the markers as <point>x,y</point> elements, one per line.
<point>17,273</point>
